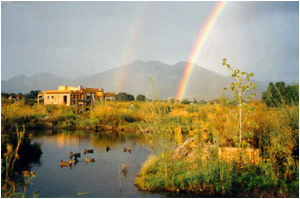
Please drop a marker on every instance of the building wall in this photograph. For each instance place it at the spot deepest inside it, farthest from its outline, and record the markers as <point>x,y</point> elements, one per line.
<point>74,95</point>
<point>69,88</point>
<point>56,99</point>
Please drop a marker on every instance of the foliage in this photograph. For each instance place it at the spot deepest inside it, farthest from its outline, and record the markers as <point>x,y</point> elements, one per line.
<point>154,89</point>
<point>32,94</point>
<point>124,97</point>
<point>130,97</point>
<point>274,131</point>
<point>166,125</point>
<point>211,177</point>
<point>185,101</point>
<point>12,153</point>
<point>279,94</point>
<point>240,87</point>
<point>140,98</point>
<point>212,125</point>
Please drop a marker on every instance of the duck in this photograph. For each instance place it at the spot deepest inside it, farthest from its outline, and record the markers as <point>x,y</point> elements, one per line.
<point>88,151</point>
<point>73,161</point>
<point>90,159</point>
<point>75,155</point>
<point>124,169</point>
<point>127,149</point>
<point>65,163</point>
<point>107,148</point>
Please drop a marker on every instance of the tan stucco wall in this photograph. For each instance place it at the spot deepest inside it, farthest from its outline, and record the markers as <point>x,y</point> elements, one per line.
<point>56,99</point>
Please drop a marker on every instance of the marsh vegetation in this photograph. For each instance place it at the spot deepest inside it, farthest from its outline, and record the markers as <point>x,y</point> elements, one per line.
<point>195,148</point>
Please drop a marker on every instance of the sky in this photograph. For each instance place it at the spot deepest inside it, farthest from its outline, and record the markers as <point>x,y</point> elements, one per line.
<point>84,38</point>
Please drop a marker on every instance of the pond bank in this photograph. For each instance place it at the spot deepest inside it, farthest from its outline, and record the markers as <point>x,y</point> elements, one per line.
<point>273,131</point>
<point>93,179</point>
<point>100,117</point>
<point>213,178</point>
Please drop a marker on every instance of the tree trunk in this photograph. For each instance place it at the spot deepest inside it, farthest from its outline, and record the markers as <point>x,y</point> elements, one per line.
<point>240,96</point>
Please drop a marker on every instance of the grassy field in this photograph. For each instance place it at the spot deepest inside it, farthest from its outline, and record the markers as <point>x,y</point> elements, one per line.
<point>273,131</point>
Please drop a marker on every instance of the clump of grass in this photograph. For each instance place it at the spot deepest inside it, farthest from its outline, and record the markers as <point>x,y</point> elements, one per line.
<point>12,154</point>
<point>274,131</point>
<point>210,177</point>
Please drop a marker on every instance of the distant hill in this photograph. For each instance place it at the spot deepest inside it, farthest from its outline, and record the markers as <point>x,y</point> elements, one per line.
<point>203,84</point>
<point>40,81</point>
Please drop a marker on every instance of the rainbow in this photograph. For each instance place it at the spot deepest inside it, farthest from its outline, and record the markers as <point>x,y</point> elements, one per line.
<point>130,45</point>
<point>197,48</point>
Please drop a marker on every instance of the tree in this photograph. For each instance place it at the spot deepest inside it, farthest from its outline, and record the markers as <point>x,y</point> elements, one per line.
<point>32,94</point>
<point>240,88</point>
<point>140,98</point>
<point>279,94</point>
<point>121,97</point>
<point>292,94</point>
<point>171,100</point>
<point>124,97</point>
<point>5,95</point>
<point>185,101</point>
<point>130,97</point>
<point>154,88</point>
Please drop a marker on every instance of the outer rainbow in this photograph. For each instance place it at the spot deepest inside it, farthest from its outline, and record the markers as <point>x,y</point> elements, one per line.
<point>129,49</point>
<point>199,44</point>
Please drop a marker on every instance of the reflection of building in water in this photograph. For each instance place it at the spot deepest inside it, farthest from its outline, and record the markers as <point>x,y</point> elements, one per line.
<point>78,140</point>
<point>66,140</point>
<point>69,95</point>
<point>81,139</point>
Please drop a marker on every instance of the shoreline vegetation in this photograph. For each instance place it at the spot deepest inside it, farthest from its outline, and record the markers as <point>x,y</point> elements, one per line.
<point>207,149</point>
<point>274,131</point>
<point>200,168</point>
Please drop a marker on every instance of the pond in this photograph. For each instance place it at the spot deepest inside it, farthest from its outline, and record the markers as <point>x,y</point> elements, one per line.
<point>94,179</point>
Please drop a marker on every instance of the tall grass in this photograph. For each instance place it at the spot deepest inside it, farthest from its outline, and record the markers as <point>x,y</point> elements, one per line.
<point>11,154</point>
<point>272,130</point>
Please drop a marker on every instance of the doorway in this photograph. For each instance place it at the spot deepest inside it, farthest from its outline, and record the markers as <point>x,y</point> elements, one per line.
<point>65,99</point>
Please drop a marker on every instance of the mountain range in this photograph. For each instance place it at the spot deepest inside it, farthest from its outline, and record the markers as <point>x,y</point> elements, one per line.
<point>134,79</point>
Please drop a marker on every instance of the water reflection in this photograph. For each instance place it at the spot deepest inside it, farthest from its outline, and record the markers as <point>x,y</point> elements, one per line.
<point>99,178</point>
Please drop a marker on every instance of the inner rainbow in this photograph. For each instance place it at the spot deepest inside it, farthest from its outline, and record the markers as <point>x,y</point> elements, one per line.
<point>197,48</point>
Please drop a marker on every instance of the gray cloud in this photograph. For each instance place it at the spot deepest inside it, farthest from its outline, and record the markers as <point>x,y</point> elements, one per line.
<point>82,38</point>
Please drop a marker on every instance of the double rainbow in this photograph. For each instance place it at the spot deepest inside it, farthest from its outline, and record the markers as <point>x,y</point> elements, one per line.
<point>197,48</point>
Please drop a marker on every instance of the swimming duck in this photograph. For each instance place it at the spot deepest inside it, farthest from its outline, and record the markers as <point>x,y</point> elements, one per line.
<point>124,169</point>
<point>127,149</point>
<point>73,161</point>
<point>88,151</point>
<point>89,159</point>
<point>75,155</point>
<point>65,163</point>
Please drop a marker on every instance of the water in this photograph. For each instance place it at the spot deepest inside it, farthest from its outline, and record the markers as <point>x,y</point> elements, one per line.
<point>95,179</point>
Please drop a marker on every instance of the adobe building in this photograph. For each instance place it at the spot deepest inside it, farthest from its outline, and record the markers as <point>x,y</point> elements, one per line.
<point>70,95</point>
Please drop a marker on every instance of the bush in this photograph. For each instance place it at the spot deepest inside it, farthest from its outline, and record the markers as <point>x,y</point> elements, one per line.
<point>185,101</point>
<point>141,98</point>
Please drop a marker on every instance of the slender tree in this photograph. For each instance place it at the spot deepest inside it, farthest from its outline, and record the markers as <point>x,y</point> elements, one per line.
<point>240,87</point>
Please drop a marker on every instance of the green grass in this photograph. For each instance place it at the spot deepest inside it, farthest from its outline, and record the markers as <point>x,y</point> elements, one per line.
<point>272,130</point>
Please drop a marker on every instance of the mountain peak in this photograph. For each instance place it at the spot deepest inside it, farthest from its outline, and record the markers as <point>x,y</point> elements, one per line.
<point>148,62</point>
<point>18,77</point>
<point>133,79</point>
<point>138,62</point>
<point>43,74</point>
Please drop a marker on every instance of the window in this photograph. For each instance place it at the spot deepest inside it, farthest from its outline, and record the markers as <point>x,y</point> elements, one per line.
<point>52,97</point>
